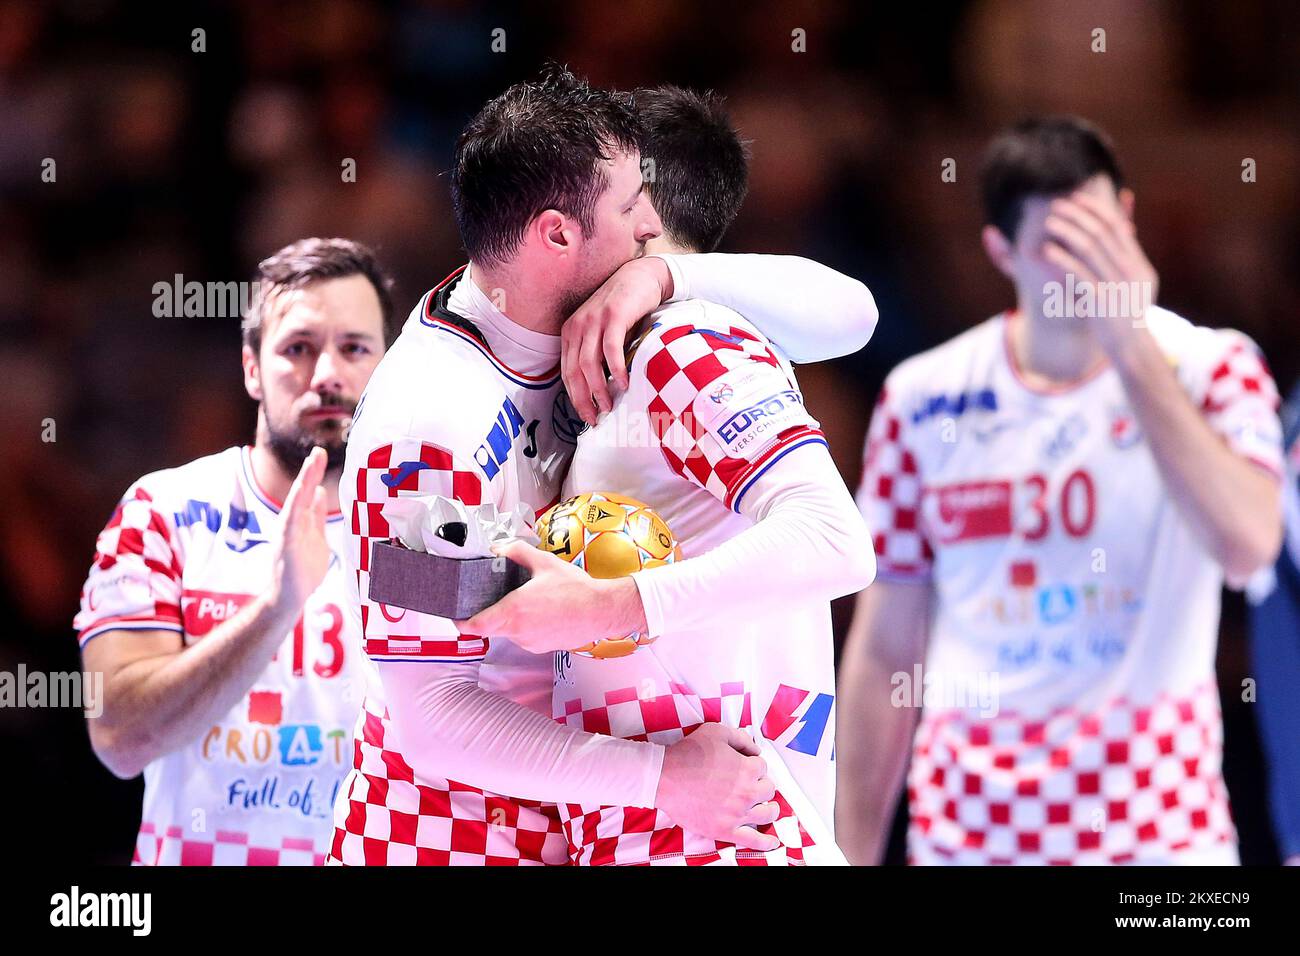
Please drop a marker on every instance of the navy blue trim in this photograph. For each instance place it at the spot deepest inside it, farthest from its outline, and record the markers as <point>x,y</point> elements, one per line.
<point>749,482</point>
<point>496,362</point>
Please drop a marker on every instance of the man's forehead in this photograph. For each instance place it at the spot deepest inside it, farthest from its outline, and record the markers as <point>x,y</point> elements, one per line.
<point>1099,186</point>
<point>625,164</point>
<point>316,306</point>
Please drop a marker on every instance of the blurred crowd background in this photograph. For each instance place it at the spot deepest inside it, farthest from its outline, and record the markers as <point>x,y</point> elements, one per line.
<point>200,163</point>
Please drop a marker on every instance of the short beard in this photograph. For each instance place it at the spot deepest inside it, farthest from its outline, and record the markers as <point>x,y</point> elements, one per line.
<point>292,448</point>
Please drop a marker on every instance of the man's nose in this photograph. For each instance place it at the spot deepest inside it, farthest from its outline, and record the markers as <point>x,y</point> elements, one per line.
<point>650,227</point>
<point>325,376</point>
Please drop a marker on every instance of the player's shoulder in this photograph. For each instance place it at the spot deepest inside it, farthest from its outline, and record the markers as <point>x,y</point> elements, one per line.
<point>694,327</point>
<point>957,364</point>
<point>431,383</point>
<point>1196,349</point>
<point>207,476</point>
<point>675,320</point>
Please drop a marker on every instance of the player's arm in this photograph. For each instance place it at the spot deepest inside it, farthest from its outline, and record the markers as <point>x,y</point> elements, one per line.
<point>712,782</point>
<point>446,726</point>
<point>810,312</point>
<point>889,635</point>
<point>808,544</point>
<point>1231,501</point>
<point>158,694</point>
<point>873,738</point>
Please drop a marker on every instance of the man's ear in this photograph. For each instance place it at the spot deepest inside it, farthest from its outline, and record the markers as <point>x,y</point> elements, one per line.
<point>556,232</point>
<point>252,373</point>
<point>1127,202</point>
<point>998,249</point>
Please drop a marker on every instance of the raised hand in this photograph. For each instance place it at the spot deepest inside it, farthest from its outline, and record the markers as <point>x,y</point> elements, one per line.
<point>302,554</point>
<point>1094,239</point>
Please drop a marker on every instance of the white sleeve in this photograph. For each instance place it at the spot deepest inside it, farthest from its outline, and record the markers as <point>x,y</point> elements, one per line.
<point>448,727</point>
<point>809,311</point>
<point>809,542</point>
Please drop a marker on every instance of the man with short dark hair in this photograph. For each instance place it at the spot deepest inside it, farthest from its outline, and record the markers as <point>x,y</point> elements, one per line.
<point>1057,496</point>
<point>214,604</point>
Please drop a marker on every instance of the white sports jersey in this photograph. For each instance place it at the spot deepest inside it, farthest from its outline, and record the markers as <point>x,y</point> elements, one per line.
<point>184,551</point>
<point>446,414</point>
<point>1071,712</point>
<point>708,408</point>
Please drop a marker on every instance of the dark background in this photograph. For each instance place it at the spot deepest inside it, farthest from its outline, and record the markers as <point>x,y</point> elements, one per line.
<point>173,161</point>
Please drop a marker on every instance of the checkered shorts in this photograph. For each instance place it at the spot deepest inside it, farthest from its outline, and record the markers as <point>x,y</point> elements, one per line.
<point>173,846</point>
<point>384,818</point>
<point>1122,783</point>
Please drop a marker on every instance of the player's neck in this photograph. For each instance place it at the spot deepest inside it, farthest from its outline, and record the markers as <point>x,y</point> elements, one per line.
<point>274,482</point>
<point>526,301</point>
<point>1052,351</point>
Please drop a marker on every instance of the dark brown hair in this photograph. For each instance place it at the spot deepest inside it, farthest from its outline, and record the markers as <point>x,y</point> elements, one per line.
<point>310,260</point>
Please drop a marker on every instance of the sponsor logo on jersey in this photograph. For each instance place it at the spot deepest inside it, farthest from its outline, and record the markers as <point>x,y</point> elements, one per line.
<point>954,406</point>
<point>240,524</point>
<point>265,740</point>
<point>994,429</point>
<point>1030,602</point>
<point>969,510</point>
<point>1124,429</point>
<point>399,476</point>
<point>721,394</point>
<point>565,421</point>
<point>1065,438</point>
<point>797,719</point>
<point>201,611</point>
<point>774,412</point>
<point>495,450</point>
<point>720,336</point>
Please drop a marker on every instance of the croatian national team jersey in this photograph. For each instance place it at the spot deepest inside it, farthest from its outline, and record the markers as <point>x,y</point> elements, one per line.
<point>1071,713</point>
<point>446,413</point>
<point>708,408</point>
<point>184,551</point>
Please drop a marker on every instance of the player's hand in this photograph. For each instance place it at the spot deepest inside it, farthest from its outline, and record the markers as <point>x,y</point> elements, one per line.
<point>595,335</point>
<point>1093,239</point>
<point>302,553</point>
<point>561,608</point>
<point>714,783</point>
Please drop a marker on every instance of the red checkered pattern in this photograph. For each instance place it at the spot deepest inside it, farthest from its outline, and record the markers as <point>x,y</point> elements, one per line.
<point>625,836</point>
<point>173,846</point>
<point>1124,783</point>
<point>685,360</point>
<point>135,580</point>
<point>1240,394</point>
<point>890,497</point>
<point>384,818</point>
<point>408,467</point>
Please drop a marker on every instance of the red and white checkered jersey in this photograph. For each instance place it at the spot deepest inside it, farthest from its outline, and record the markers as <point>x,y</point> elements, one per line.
<point>185,549</point>
<point>1069,689</point>
<point>445,413</point>
<point>709,407</point>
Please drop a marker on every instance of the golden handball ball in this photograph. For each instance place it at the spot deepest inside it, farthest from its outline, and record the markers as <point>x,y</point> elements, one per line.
<point>609,536</point>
